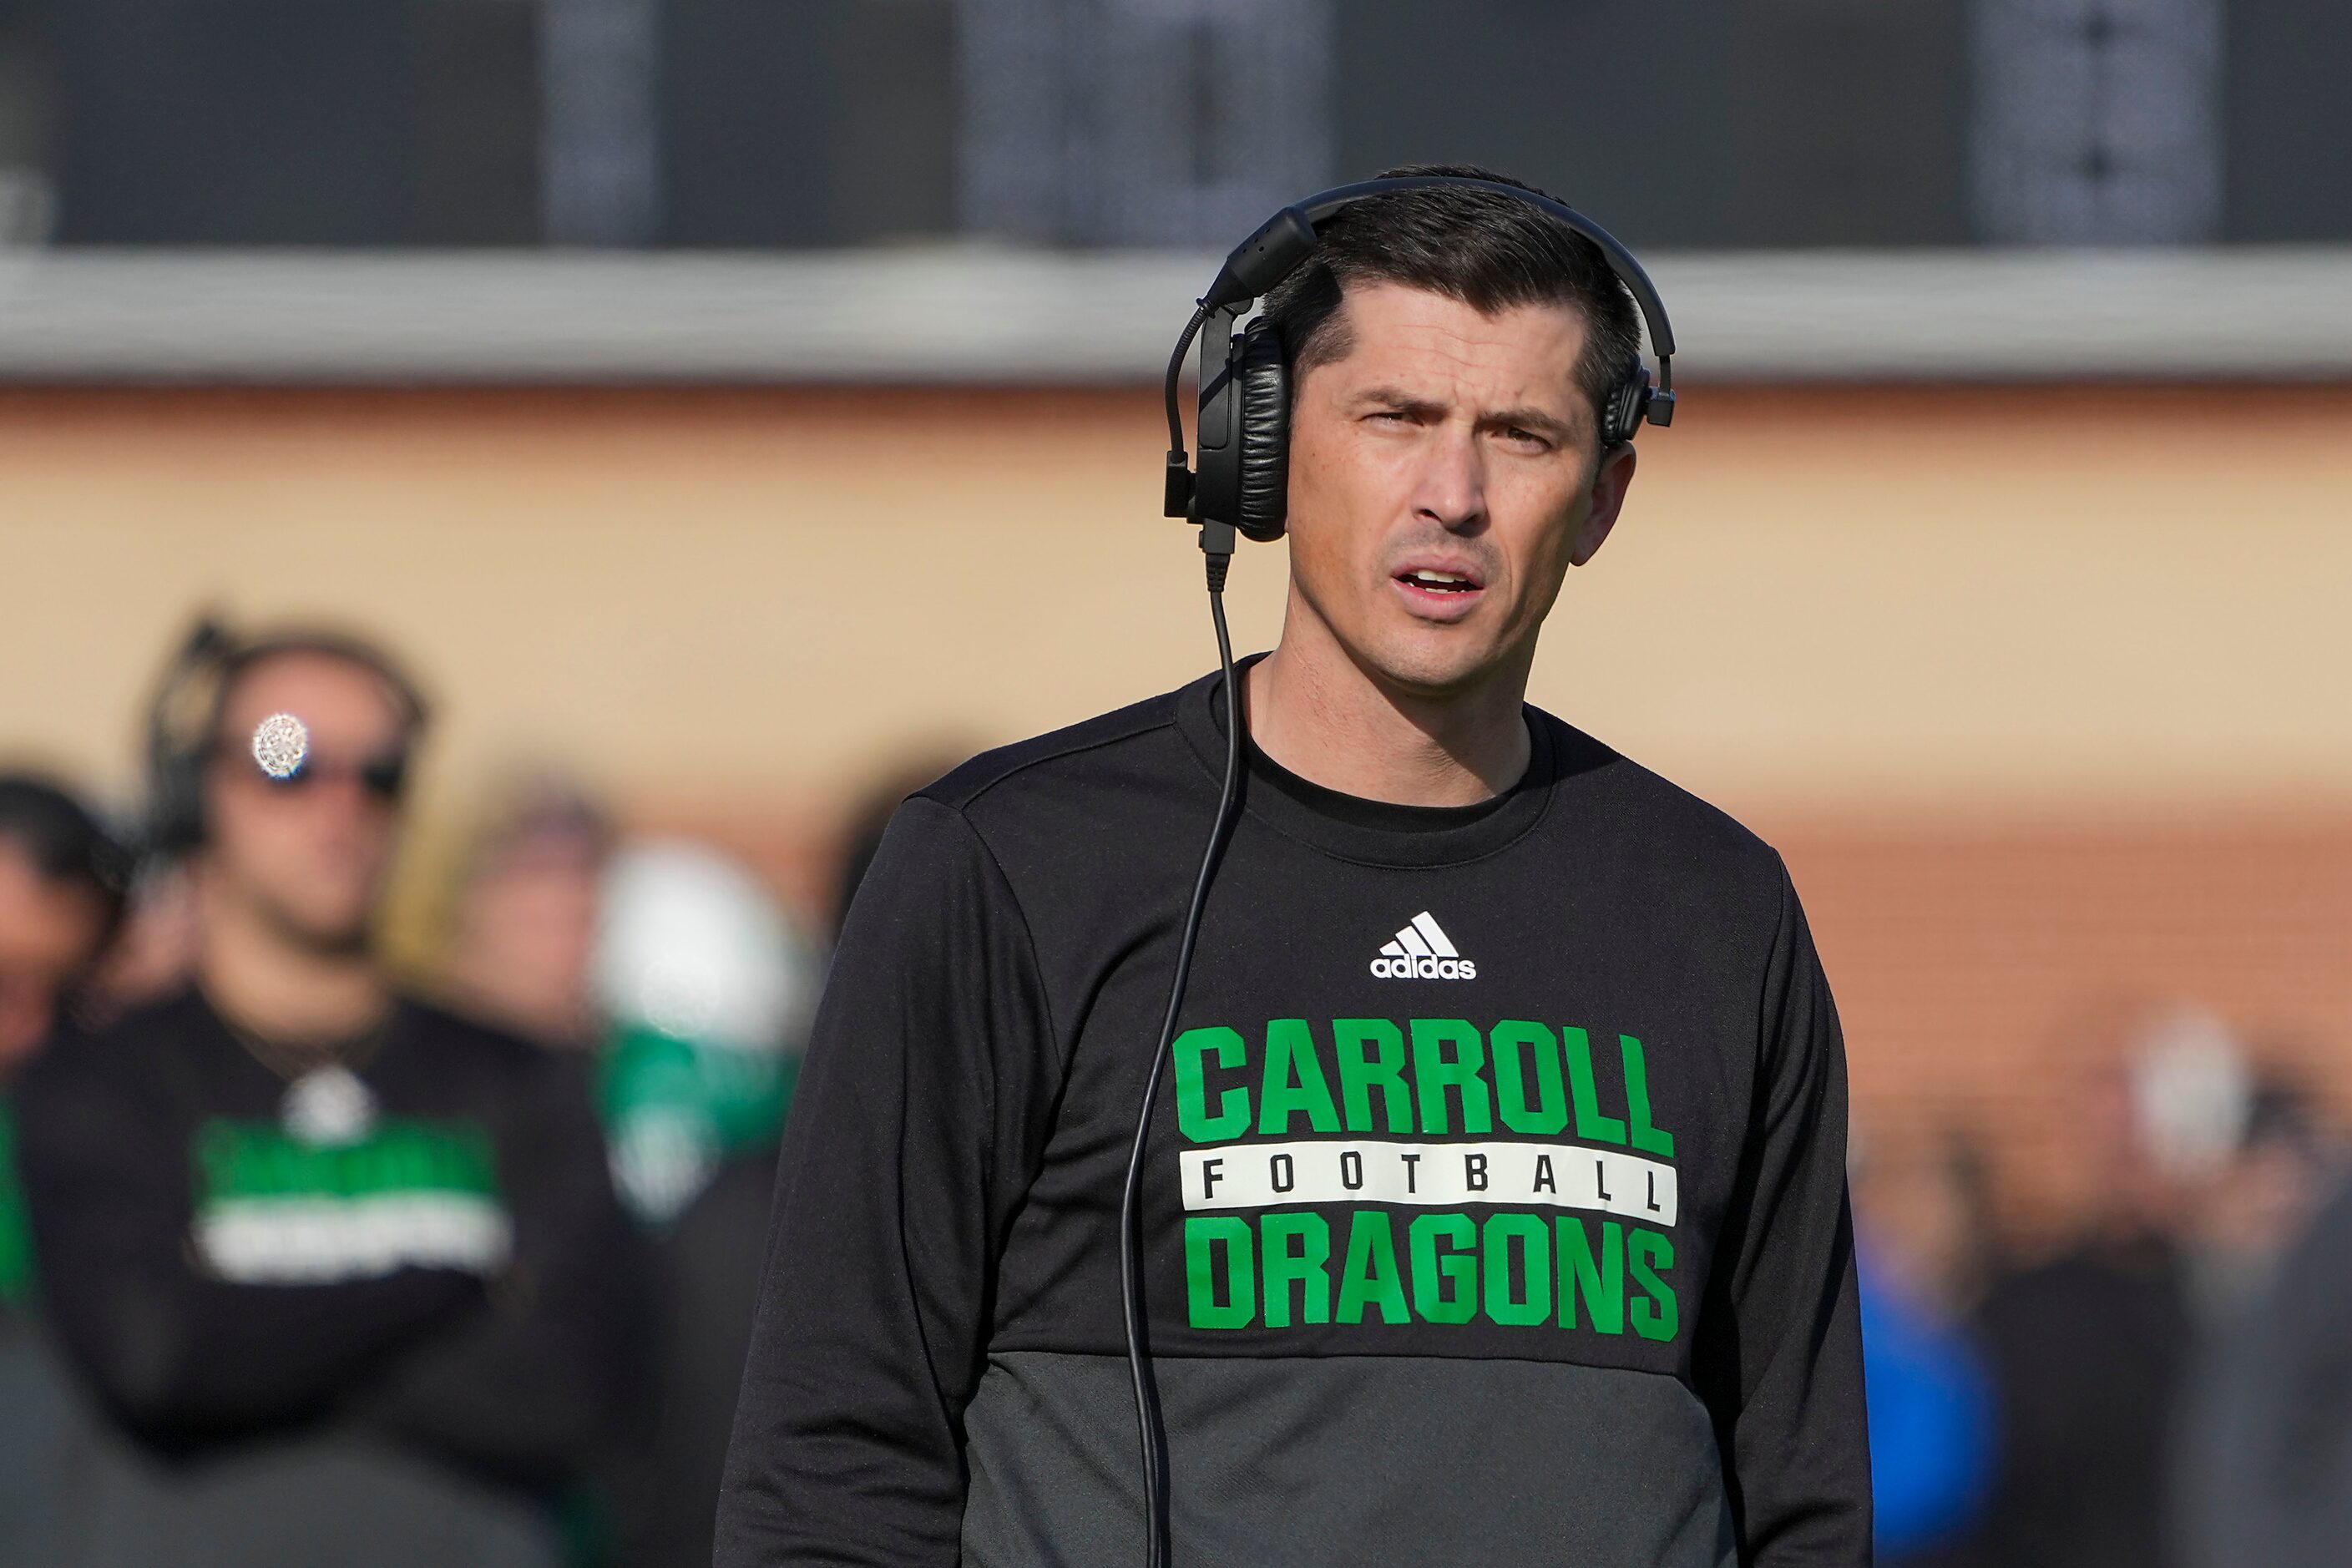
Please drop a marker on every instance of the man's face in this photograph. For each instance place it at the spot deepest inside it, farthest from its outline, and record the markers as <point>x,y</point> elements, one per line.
<point>307,857</point>
<point>525,929</point>
<point>49,932</point>
<point>1442,479</point>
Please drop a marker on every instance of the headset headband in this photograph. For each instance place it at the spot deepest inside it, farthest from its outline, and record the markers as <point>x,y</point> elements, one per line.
<point>1285,241</point>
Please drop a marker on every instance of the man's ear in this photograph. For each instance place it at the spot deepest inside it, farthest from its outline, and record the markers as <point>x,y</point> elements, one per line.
<point>1612,477</point>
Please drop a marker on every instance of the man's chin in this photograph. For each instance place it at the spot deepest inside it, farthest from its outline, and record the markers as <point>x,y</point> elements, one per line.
<point>330,933</point>
<point>1431,666</point>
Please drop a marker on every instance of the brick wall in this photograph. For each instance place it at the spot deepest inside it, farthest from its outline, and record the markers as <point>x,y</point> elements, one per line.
<point>1980,967</point>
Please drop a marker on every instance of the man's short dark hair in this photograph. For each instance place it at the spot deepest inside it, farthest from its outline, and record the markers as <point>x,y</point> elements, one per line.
<point>183,723</point>
<point>1490,251</point>
<point>65,843</point>
<point>316,642</point>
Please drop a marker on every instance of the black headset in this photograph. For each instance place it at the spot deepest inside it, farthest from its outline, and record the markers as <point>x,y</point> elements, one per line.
<point>1244,478</point>
<point>1242,486</point>
<point>183,720</point>
<point>179,738</point>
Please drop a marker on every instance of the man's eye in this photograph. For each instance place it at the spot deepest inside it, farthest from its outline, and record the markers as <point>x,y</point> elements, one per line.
<point>1397,415</point>
<point>1513,433</point>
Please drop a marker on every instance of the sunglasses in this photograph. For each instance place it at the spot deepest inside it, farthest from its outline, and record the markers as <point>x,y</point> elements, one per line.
<point>380,778</point>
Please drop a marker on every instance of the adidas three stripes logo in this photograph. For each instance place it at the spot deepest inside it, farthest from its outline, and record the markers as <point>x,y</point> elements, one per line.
<point>1421,950</point>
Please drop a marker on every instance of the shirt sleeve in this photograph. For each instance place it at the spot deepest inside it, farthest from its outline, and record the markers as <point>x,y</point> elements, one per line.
<point>537,1379</point>
<point>1779,1352</point>
<point>918,1119</point>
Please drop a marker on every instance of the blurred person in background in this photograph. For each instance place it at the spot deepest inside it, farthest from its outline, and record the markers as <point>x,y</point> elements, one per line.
<point>524,921</point>
<point>61,896</point>
<point>61,902</point>
<point>346,1268</point>
<point>1923,1246</point>
<point>155,952</point>
<point>2265,1458</point>
<point>2260,1203</point>
<point>2264,1465</point>
<point>2091,1349</point>
<point>705,989</point>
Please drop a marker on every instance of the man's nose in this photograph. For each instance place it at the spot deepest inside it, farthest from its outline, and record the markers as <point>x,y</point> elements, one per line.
<point>1453,480</point>
<point>348,792</point>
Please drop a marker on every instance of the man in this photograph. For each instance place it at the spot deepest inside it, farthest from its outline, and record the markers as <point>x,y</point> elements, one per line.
<point>2093,1349</point>
<point>1924,1235</point>
<point>61,901</point>
<point>1564,1020</point>
<point>61,891</point>
<point>525,908</point>
<point>351,1262</point>
<point>2261,1468</point>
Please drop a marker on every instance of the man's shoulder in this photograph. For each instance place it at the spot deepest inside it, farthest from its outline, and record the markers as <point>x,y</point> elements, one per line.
<point>153,1026</point>
<point>488,1065</point>
<point>1648,814</point>
<point>439,1027</point>
<point>1592,769</point>
<point>134,1051</point>
<point>1096,753</point>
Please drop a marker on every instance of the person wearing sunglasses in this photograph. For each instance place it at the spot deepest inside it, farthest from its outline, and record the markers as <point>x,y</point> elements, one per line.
<point>350,1261</point>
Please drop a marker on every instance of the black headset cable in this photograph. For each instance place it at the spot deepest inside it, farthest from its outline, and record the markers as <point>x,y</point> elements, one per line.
<point>1157,1549</point>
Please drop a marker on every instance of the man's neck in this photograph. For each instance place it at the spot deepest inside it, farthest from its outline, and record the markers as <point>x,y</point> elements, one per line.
<point>271,984</point>
<point>1315,712</point>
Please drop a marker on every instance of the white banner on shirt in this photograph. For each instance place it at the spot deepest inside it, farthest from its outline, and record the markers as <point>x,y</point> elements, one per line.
<point>1554,1175</point>
<point>323,1240</point>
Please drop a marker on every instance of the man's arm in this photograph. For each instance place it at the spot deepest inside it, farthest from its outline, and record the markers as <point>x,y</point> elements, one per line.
<point>1778,1355</point>
<point>177,1357</point>
<point>915,1128</point>
<point>531,1385</point>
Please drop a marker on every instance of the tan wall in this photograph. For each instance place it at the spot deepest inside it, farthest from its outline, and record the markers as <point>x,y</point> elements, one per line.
<point>2044,690</point>
<point>2017,597</point>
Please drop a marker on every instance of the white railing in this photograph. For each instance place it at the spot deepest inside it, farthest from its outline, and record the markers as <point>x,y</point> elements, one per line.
<point>958,315</point>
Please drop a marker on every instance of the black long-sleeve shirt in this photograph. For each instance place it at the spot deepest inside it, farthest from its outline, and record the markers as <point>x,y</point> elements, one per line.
<point>449,1270</point>
<point>1496,1206</point>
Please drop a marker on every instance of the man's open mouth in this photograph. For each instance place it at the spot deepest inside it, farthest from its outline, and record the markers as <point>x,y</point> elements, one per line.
<point>1439,582</point>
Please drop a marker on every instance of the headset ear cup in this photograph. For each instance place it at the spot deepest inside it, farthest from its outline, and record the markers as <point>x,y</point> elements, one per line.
<point>1265,437</point>
<point>1627,406</point>
<point>175,797</point>
<point>178,745</point>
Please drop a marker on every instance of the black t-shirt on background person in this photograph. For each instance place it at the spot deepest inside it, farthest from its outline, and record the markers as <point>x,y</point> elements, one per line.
<point>2089,1352</point>
<point>425,1251</point>
<point>1495,1198</point>
<point>707,1267</point>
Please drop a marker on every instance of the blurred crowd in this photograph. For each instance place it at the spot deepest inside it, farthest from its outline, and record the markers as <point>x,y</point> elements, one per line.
<point>2163,1379</point>
<point>305,1257</point>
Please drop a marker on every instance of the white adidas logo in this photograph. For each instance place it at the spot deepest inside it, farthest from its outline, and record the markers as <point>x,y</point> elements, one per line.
<point>1423,951</point>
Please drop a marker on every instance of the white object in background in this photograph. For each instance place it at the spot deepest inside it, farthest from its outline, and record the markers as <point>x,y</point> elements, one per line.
<point>690,942</point>
<point>2191,1093</point>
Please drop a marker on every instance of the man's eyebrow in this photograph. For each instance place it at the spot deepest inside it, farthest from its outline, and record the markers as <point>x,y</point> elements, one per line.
<point>1396,398</point>
<point>1530,418</point>
<point>1525,417</point>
